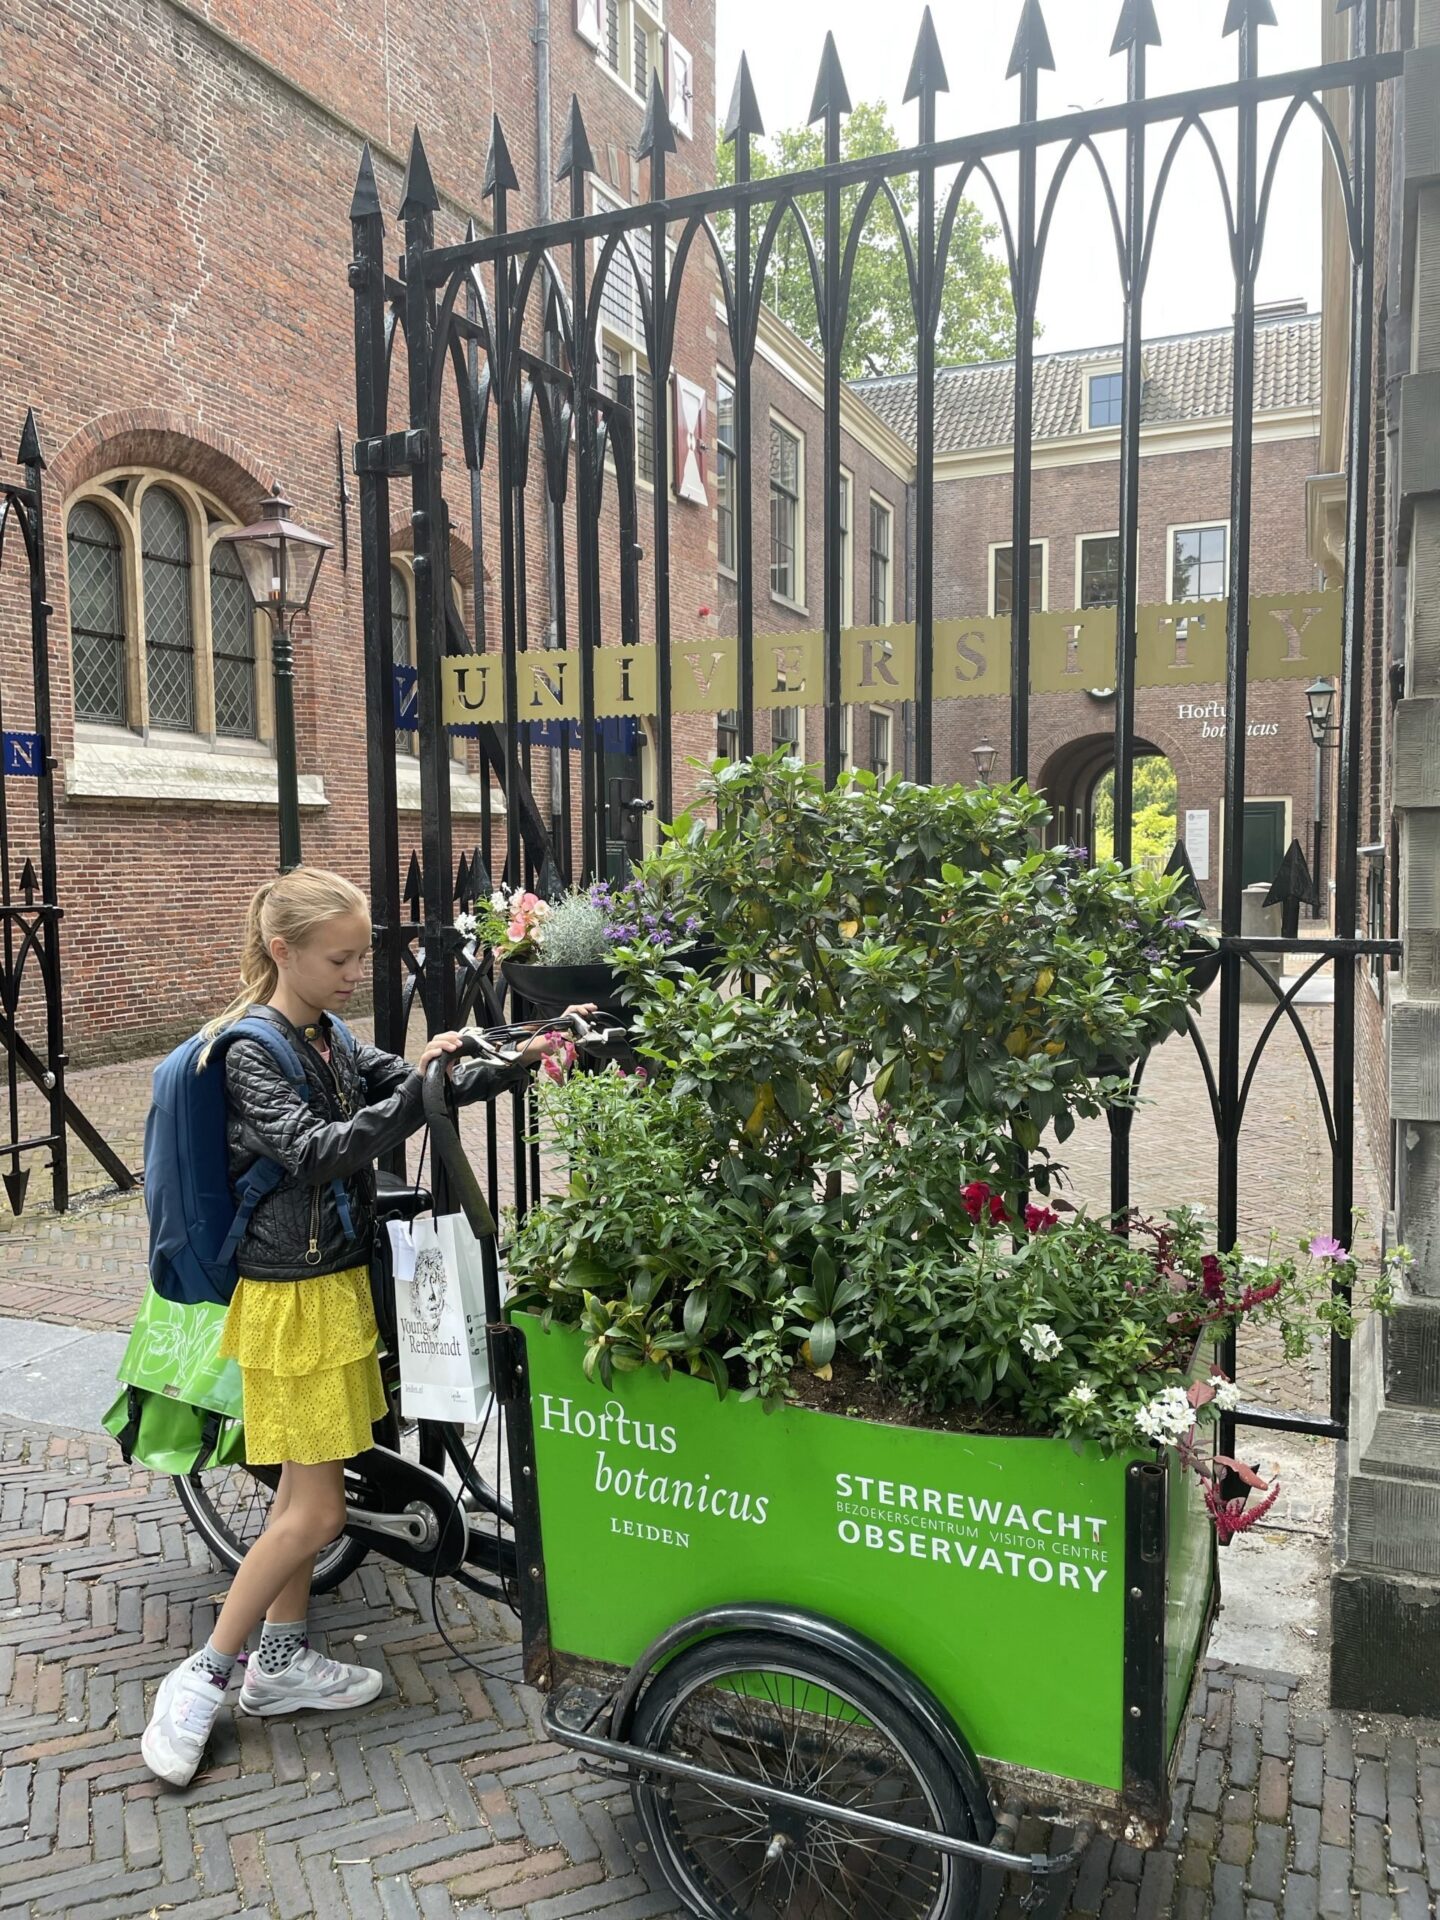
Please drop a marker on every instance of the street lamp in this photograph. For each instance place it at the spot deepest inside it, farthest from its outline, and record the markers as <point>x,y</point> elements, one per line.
<point>984,757</point>
<point>280,562</point>
<point>1319,706</point>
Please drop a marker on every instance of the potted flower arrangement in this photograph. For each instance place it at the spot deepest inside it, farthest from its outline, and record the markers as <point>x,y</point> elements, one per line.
<point>555,953</point>
<point>821,1249</point>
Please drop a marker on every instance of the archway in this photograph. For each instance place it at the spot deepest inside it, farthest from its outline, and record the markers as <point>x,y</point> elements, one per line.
<point>1076,779</point>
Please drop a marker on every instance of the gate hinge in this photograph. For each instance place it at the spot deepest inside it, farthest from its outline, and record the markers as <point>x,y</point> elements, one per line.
<point>392,453</point>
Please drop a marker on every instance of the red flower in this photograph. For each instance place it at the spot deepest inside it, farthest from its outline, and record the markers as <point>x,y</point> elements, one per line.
<point>1233,1516</point>
<point>981,1198</point>
<point>1257,1296</point>
<point>1040,1219</point>
<point>1212,1277</point>
<point>703,612</point>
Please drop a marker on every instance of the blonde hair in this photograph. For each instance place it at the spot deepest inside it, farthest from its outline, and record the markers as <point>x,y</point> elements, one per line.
<point>291,908</point>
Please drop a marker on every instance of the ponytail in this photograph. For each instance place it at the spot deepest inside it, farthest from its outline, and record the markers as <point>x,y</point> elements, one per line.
<point>291,907</point>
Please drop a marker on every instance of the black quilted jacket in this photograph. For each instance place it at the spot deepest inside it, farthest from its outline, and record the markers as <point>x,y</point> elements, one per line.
<point>362,1103</point>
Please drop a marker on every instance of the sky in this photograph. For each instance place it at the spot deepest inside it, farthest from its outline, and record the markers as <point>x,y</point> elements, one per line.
<point>1190,285</point>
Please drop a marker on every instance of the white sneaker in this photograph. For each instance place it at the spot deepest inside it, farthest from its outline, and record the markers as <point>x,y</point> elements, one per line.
<point>185,1709</point>
<point>310,1680</point>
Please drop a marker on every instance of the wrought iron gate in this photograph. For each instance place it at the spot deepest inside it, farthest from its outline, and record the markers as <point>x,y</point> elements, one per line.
<point>502,329</point>
<point>30,913</point>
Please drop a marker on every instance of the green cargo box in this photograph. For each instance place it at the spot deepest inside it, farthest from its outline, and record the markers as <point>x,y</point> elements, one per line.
<point>1055,1602</point>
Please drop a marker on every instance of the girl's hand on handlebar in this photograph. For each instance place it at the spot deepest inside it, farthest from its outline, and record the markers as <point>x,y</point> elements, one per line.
<point>438,1047</point>
<point>547,1045</point>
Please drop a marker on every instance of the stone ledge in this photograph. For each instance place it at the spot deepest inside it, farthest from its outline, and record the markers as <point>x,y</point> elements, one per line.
<point>467,790</point>
<point>191,776</point>
<point>1413,1046</point>
<point>1416,743</point>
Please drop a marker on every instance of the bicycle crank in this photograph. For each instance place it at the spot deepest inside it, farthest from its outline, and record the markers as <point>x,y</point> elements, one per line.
<point>406,1512</point>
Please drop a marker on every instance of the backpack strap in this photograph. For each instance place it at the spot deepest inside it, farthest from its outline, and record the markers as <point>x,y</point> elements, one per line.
<point>265,1175</point>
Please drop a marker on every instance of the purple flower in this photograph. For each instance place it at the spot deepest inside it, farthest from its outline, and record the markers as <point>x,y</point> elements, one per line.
<point>1325,1247</point>
<point>1154,956</point>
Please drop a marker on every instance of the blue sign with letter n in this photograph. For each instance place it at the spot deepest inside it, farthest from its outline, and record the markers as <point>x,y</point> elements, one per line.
<point>24,755</point>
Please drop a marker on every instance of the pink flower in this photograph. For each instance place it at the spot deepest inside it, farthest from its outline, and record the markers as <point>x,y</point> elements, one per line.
<point>558,1062</point>
<point>519,928</point>
<point>1325,1247</point>
<point>1040,1219</point>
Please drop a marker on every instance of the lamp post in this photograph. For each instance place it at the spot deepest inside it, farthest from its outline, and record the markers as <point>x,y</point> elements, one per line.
<point>984,758</point>
<point>281,562</point>
<point>1319,705</point>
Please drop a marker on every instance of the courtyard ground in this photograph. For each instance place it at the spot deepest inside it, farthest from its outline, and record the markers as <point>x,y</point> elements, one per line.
<point>443,1797</point>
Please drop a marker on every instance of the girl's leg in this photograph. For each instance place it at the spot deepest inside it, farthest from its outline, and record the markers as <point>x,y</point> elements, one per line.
<point>311,1514</point>
<point>293,1600</point>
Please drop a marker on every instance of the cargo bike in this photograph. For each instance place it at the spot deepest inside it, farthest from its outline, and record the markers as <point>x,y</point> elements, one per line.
<point>838,1661</point>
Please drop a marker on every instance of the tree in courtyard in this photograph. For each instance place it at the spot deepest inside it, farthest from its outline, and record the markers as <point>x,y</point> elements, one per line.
<point>977,318</point>
<point>1154,827</point>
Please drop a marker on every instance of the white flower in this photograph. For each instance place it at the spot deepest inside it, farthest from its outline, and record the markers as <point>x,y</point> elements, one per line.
<point>465,924</point>
<point>1227,1394</point>
<point>1041,1342</point>
<point>1082,1393</point>
<point>1167,1417</point>
<point>499,901</point>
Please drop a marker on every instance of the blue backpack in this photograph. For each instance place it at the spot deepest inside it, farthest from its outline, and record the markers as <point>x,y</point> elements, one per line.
<point>195,1226</point>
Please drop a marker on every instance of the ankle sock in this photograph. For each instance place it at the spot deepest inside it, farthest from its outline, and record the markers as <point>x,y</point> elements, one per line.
<point>218,1665</point>
<point>280,1641</point>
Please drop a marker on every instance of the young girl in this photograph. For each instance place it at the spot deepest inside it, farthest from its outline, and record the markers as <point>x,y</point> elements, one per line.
<point>301,1325</point>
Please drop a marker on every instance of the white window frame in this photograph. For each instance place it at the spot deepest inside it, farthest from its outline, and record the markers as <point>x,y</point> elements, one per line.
<point>799,741</point>
<point>887,715</point>
<point>879,500</point>
<point>777,419</point>
<point>120,493</point>
<point>724,377</point>
<point>650,15</point>
<point>1003,546</point>
<point>1101,370</point>
<point>1195,526</point>
<point>847,568</point>
<point>847,739</point>
<point>1080,540</point>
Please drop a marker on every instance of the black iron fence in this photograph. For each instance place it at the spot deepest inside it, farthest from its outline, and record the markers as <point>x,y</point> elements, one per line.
<point>502,336</point>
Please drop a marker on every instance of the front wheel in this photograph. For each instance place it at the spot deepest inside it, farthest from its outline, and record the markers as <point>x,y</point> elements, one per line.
<point>228,1508</point>
<point>763,1708</point>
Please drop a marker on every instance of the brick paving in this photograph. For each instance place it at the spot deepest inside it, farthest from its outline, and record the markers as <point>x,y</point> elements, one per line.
<point>443,1797</point>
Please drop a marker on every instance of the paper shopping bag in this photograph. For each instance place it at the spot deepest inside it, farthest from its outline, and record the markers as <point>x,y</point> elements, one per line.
<point>440,1319</point>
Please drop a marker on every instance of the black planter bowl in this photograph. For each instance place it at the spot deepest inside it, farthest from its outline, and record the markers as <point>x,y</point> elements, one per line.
<point>552,989</point>
<point>1202,964</point>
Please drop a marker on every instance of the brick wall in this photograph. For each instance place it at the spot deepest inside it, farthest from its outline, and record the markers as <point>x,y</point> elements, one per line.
<point>174,187</point>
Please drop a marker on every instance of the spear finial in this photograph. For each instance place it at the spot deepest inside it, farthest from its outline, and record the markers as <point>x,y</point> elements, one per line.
<point>831,93</point>
<point>500,175</point>
<point>1031,52</point>
<point>927,67</point>
<point>575,154</point>
<point>744,115</point>
<point>418,194</point>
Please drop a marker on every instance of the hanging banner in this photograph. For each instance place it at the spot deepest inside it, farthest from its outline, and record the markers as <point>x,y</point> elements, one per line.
<point>1292,637</point>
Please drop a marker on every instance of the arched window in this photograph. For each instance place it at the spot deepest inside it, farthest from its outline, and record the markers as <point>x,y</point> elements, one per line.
<point>169,618</point>
<point>163,635</point>
<point>400,618</point>
<point>97,615</point>
<point>232,646</point>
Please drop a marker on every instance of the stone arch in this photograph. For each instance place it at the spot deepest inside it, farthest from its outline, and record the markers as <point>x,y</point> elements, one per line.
<point>153,438</point>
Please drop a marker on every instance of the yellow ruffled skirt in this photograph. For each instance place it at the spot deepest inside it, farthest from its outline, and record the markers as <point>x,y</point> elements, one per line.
<point>306,1350</point>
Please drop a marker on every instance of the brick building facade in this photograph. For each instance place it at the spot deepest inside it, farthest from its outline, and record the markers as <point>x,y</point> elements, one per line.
<point>175,181</point>
<point>1184,507</point>
<point>174,186</point>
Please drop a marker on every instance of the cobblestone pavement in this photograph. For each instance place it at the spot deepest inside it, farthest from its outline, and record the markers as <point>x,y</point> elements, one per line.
<point>442,1798</point>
